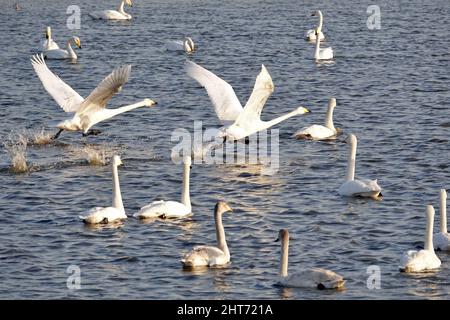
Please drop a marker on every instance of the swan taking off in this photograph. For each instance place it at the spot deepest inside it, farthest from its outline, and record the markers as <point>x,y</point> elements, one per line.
<point>187,45</point>
<point>308,278</point>
<point>120,14</point>
<point>60,54</point>
<point>322,53</point>
<point>203,256</point>
<point>245,121</point>
<point>423,260</point>
<point>441,239</point>
<point>319,132</point>
<point>358,187</point>
<point>108,214</point>
<point>89,111</point>
<point>311,34</point>
<point>48,43</point>
<point>170,209</point>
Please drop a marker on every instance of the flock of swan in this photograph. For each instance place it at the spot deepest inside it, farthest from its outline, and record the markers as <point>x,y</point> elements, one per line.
<point>239,122</point>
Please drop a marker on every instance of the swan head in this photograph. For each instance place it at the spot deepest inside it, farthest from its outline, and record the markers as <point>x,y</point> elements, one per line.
<point>116,161</point>
<point>283,235</point>
<point>149,102</point>
<point>187,160</point>
<point>222,207</point>
<point>302,110</point>
<point>77,41</point>
<point>332,103</point>
<point>128,2</point>
<point>316,13</point>
<point>188,45</point>
<point>48,33</point>
<point>352,139</point>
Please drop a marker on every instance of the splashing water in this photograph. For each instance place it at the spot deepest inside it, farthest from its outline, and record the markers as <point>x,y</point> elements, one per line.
<point>16,145</point>
<point>97,155</point>
<point>40,137</point>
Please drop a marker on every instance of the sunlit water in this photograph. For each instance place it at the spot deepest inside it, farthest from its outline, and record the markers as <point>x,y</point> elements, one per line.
<point>392,91</point>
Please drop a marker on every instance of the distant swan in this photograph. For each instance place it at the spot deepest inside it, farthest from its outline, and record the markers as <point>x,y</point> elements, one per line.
<point>423,260</point>
<point>319,132</point>
<point>245,121</point>
<point>113,14</point>
<point>322,53</point>
<point>311,34</point>
<point>108,214</point>
<point>307,278</point>
<point>357,187</point>
<point>187,45</point>
<point>89,111</point>
<point>60,54</point>
<point>170,209</point>
<point>441,239</point>
<point>208,255</point>
<point>48,43</point>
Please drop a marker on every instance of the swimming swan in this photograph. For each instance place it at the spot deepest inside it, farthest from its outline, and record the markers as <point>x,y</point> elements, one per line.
<point>48,43</point>
<point>358,187</point>
<point>60,54</point>
<point>244,121</point>
<point>441,239</point>
<point>187,45</point>
<point>311,34</point>
<point>423,260</point>
<point>170,209</point>
<point>108,214</point>
<point>308,278</point>
<point>113,14</point>
<point>89,111</point>
<point>319,132</point>
<point>208,255</point>
<point>322,53</point>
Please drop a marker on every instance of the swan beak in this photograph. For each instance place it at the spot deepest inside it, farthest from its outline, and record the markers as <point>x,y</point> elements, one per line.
<point>277,239</point>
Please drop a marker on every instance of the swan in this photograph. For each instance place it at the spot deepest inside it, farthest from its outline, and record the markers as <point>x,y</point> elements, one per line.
<point>322,53</point>
<point>241,122</point>
<point>358,187</point>
<point>89,111</point>
<point>319,132</point>
<point>311,34</point>
<point>116,211</point>
<point>187,45</point>
<point>426,259</point>
<point>48,43</point>
<point>308,278</point>
<point>441,239</point>
<point>208,255</point>
<point>60,54</point>
<point>170,209</point>
<point>120,14</point>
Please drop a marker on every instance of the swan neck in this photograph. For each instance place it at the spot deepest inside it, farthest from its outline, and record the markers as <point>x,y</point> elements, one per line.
<point>429,229</point>
<point>185,197</point>
<point>320,22</point>
<point>284,257</point>
<point>351,161</point>
<point>72,53</point>
<point>271,123</point>
<point>443,211</point>
<point>117,196</point>
<point>316,52</point>
<point>109,113</point>
<point>220,233</point>
<point>121,10</point>
<point>329,119</point>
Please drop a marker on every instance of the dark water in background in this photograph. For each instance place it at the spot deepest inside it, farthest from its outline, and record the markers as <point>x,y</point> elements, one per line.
<point>392,91</point>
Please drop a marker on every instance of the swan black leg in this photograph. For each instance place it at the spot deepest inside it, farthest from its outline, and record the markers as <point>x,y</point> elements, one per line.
<point>92,132</point>
<point>57,134</point>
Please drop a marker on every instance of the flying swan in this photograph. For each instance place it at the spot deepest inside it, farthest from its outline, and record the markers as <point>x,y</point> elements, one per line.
<point>170,209</point>
<point>358,187</point>
<point>48,43</point>
<point>319,132</point>
<point>108,214</point>
<point>244,121</point>
<point>322,53</point>
<point>423,260</point>
<point>120,14</point>
<point>441,239</point>
<point>87,112</point>
<point>203,256</point>
<point>61,54</point>
<point>311,34</point>
<point>187,45</point>
<point>308,278</point>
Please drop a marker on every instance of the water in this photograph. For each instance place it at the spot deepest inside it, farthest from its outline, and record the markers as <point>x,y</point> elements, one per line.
<point>391,87</point>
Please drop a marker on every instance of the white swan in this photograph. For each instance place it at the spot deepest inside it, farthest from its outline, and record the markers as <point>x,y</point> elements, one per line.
<point>108,214</point>
<point>208,255</point>
<point>245,121</point>
<point>120,14</point>
<point>60,54</point>
<point>426,259</point>
<point>311,34</point>
<point>89,111</point>
<point>441,239</point>
<point>170,209</point>
<point>187,45</point>
<point>48,43</point>
<point>358,187</point>
<point>319,132</point>
<point>322,53</point>
<point>308,278</point>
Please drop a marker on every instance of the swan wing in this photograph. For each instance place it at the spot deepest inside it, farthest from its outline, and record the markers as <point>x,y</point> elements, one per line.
<point>99,214</point>
<point>166,209</point>
<point>261,92</point>
<point>315,132</point>
<point>204,256</point>
<point>109,86</point>
<point>314,278</point>
<point>226,103</point>
<point>441,241</point>
<point>68,99</point>
<point>417,261</point>
<point>174,45</point>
